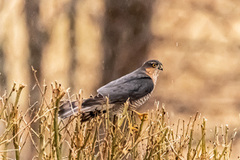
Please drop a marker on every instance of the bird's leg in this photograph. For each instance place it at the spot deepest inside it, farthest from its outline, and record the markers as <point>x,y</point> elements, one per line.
<point>133,128</point>
<point>142,116</point>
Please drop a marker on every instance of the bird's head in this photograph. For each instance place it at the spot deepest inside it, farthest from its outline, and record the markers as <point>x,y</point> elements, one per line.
<point>152,65</point>
<point>152,68</point>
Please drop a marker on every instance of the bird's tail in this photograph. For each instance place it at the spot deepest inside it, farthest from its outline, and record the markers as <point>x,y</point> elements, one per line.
<point>91,108</point>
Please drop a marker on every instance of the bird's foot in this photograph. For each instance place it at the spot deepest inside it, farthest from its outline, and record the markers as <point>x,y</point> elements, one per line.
<point>142,116</point>
<point>133,128</point>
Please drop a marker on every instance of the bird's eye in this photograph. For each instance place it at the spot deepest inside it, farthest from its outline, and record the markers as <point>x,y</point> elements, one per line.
<point>154,65</point>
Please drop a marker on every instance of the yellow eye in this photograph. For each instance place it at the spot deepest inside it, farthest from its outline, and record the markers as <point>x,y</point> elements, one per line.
<point>154,65</point>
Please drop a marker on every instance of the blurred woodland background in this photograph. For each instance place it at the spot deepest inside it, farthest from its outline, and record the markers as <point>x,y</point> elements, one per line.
<point>85,44</point>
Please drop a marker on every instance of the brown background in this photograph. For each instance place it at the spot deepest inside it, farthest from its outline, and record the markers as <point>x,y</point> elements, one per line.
<point>85,44</point>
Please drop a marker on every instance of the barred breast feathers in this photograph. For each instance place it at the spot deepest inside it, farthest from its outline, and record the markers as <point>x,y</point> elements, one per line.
<point>137,103</point>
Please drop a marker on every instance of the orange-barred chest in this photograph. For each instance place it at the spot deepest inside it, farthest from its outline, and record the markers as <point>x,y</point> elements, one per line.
<point>153,73</point>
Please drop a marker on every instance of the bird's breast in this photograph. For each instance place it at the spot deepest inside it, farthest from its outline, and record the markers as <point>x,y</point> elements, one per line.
<point>137,103</point>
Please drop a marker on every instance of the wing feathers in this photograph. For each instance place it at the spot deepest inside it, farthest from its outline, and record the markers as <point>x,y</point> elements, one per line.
<point>130,88</point>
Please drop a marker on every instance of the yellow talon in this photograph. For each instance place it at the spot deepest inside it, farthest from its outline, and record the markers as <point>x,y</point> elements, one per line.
<point>133,129</point>
<point>142,116</point>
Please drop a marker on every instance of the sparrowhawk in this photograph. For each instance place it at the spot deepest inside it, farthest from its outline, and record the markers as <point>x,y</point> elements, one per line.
<point>136,87</point>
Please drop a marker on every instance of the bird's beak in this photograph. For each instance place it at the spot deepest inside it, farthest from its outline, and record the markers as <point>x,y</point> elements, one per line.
<point>160,67</point>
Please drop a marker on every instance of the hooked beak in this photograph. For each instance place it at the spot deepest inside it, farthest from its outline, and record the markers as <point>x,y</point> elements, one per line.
<point>160,67</point>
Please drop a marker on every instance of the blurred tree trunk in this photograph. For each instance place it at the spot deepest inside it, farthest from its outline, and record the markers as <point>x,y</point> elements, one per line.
<point>126,36</point>
<point>88,38</point>
<point>73,61</point>
<point>38,37</point>
<point>3,84</point>
<point>37,40</point>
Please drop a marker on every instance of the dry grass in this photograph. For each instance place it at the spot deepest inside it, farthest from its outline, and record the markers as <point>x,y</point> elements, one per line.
<point>106,137</point>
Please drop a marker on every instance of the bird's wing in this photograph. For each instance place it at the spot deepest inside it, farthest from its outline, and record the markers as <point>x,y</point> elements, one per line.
<point>127,87</point>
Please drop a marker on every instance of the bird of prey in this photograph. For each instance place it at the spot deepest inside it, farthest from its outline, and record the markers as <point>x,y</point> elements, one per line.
<point>136,87</point>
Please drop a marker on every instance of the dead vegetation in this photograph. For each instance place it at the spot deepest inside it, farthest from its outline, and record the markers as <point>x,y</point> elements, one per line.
<point>124,137</point>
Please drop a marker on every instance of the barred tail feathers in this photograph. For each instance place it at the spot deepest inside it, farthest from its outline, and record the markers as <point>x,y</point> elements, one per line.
<point>67,109</point>
<point>91,108</point>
